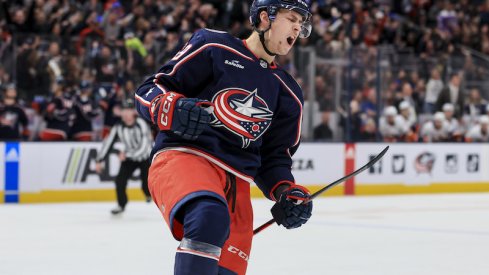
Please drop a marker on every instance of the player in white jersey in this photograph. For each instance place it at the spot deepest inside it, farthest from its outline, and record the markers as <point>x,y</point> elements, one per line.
<point>391,126</point>
<point>455,128</point>
<point>436,130</point>
<point>409,117</point>
<point>479,132</point>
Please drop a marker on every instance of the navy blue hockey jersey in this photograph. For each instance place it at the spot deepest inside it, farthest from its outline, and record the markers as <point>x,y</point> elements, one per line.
<point>256,123</point>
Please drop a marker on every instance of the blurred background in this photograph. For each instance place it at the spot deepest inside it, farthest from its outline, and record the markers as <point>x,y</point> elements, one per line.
<point>374,70</point>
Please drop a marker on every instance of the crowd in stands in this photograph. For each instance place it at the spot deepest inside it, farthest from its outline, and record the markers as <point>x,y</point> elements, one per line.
<point>66,65</point>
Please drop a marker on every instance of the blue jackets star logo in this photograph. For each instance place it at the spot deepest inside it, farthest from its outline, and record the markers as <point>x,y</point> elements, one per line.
<point>242,112</point>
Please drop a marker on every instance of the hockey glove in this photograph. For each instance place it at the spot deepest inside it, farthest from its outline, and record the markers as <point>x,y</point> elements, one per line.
<point>186,117</point>
<point>289,210</point>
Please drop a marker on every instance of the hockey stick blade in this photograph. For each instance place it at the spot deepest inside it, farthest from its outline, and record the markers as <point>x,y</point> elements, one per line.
<point>329,186</point>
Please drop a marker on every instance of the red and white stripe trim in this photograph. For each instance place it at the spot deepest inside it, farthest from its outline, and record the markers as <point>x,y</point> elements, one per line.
<point>142,100</point>
<point>209,158</point>
<point>203,47</point>
<point>299,123</point>
<point>197,253</point>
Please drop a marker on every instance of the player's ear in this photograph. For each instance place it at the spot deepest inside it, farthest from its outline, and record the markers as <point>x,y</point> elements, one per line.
<point>264,19</point>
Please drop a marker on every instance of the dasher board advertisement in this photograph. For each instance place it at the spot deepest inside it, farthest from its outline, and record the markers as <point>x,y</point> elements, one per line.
<point>424,164</point>
<point>318,164</point>
<point>66,165</point>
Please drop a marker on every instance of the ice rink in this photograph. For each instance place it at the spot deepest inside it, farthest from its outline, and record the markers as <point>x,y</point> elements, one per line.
<point>422,234</point>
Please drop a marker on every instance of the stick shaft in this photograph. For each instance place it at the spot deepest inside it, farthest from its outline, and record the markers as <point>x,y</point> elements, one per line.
<point>329,186</point>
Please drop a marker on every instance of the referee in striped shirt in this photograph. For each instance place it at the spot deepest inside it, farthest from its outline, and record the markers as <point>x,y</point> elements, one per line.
<point>135,135</point>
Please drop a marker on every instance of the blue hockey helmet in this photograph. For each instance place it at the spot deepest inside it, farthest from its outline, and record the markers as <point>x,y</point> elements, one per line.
<point>272,7</point>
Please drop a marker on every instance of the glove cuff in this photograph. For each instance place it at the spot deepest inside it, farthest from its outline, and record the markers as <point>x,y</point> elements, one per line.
<point>298,187</point>
<point>276,189</point>
<point>162,108</point>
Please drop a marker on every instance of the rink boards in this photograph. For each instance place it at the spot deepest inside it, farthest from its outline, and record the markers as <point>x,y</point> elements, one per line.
<point>56,172</point>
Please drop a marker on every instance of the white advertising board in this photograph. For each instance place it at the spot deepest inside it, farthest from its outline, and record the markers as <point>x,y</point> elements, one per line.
<point>65,166</point>
<point>71,165</point>
<point>424,164</point>
<point>316,163</point>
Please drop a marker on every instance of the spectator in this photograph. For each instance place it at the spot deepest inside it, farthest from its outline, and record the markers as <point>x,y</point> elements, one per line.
<point>369,132</point>
<point>59,114</point>
<point>323,132</point>
<point>13,119</point>
<point>454,94</point>
<point>433,90</point>
<point>476,105</point>
<point>85,112</point>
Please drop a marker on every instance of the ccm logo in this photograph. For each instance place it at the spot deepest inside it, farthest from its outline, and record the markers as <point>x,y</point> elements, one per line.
<point>166,106</point>
<point>237,251</point>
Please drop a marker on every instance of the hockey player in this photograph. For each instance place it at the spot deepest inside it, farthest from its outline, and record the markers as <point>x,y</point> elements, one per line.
<point>437,130</point>
<point>407,113</point>
<point>479,132</point>
<point>455,129</point>
<point>228,116</point>
<point>392,126</point>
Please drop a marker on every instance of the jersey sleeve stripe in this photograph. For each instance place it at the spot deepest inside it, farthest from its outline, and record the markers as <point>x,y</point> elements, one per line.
<point>142,101</point>
<point>190,56</point>
<point>299,123</point>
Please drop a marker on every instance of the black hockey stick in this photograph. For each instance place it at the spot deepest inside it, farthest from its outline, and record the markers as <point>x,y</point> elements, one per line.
<point>324,189</point>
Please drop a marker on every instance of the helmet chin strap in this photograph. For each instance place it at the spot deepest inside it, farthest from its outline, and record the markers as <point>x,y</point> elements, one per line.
<point>262,39</point>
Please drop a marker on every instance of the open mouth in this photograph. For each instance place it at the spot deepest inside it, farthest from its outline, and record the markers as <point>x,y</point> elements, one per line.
<point>290,40</point>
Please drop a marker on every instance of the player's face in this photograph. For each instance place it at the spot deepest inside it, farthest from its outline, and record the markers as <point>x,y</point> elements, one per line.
<point>391,120</point>
<point>484,127</point>
<point>448,114</point>
<point>128,116</point>
<point>285,31</point>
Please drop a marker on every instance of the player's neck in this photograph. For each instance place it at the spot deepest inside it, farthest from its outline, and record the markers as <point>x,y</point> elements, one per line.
<point>255,46</point>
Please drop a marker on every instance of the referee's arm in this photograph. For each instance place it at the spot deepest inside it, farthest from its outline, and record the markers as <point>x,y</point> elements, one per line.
<point>107,144</point>
<point>144,148</point>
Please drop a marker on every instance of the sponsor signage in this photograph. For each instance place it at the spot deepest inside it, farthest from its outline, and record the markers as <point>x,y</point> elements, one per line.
<point>423,164</point>
<point>11,172</point>
<point>71,165</point>
<point>61,166</point>
<point>316,163</point>
<point>35,166</point>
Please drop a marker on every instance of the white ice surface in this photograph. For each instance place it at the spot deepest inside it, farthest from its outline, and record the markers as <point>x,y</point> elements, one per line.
<point>422,234</point>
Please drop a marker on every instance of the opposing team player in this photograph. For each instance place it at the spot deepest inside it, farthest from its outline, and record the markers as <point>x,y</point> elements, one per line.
<point>228,116</point>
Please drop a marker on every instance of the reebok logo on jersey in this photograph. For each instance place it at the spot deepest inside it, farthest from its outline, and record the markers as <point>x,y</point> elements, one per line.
<point>234,63</point>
